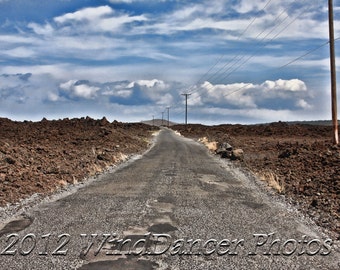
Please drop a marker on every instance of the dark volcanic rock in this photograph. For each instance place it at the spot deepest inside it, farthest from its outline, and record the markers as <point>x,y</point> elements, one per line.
<point>300,156</point>
<point>39,157</point>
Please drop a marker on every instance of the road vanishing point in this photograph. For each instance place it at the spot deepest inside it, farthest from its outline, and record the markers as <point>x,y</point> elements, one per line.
<point>175,207</point>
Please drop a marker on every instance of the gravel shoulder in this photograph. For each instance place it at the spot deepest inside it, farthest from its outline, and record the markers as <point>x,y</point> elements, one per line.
<point>298,161</point>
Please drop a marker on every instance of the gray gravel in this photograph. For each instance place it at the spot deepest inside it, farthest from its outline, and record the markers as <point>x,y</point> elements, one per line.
<point>177,207</point>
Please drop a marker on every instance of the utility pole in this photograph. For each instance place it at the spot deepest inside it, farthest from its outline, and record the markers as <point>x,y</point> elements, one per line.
<point>153,120</point>
<point>168,108</point>
<point>333,73</point>
<point>186,107</point>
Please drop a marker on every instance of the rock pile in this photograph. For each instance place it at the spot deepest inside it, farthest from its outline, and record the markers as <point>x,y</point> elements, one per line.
<point>226,151</point>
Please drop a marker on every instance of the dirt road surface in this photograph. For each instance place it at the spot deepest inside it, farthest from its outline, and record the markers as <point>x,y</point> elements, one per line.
<point>176,207</point>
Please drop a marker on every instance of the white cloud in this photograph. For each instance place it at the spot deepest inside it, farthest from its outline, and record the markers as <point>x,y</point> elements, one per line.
<point>81,90</point>
<point>85,91</point>
<point>245,6</point>
<point>66,72</point>
<point>214,104</point>
<point>19,52</point>
<point>83,43</point>
<point>96,20</point>
<point>284,85</point>
<point>255,115</point>
<point>165,100</point>
<point>121,1</point>
<point>12,39</point>
<point>112,24</point>
<point>248,95</point>
<point>155,90</point>
<point>195,99</point>
<point>198,16</point>
<point>53,97</point>
<point>118,90</point>
<point>186,12</point>
<point>303,104</point>
<point>300,23</point>
<point>46,29</point>
<point>93,13</point>
<point>220,93</point>
<point>67,85</point>
<point>123,93</point>
<point>160,85</point>
<point>26,90</point>
<point>11,81</point>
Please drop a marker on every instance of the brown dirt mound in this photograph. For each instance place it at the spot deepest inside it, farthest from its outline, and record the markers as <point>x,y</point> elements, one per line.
<point>40,157</point>
<point>301,158</point>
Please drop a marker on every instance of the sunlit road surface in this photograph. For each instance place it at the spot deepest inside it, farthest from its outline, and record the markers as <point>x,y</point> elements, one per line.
<point>176,207</point>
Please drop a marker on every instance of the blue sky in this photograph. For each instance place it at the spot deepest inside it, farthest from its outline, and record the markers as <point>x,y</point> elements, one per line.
<point>130,59</point>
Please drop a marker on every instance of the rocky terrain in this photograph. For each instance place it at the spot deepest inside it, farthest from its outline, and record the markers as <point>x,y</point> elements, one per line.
<point>298,160</point>
<point>41,157</point>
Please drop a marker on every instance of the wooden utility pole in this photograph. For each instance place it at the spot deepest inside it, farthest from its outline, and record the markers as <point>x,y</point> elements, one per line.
<point>333,73</point>
<point>163,118</point>
<point>168,108</point>
<point>186,107</point>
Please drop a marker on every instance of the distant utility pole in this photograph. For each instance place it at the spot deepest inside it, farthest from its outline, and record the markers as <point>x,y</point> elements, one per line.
<point>153,120</point>
<point>168,108</point>
<point>163,118</point>
<point>333,73</point>
<point>186,107</point>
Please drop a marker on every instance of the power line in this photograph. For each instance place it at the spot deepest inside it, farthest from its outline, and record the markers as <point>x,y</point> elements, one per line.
<point>248,84</point>
<point>258,43</point>
<point>307,53</point>
<point>291,62</point>
<point>222,56</point>
<point>242,56</point>
<point>270,32</point>
<point>295,60</point>
<point>226,75</point>
<point>245,30</point>
<point>304,55</point>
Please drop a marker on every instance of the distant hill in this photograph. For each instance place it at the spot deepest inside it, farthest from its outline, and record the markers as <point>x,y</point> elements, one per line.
<point>158,122</point>
<point>314,122</point>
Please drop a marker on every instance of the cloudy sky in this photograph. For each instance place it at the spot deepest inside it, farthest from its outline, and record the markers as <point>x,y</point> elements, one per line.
<point>130,59</point>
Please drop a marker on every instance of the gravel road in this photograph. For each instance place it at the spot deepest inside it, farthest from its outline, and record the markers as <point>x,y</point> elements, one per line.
<point>177,207</point>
